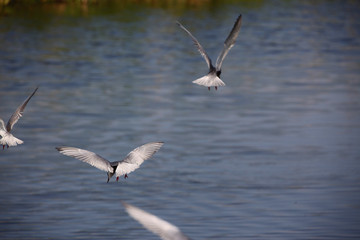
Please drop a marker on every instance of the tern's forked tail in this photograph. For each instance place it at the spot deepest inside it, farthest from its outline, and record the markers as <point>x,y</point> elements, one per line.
<point>210,80</point>
<point>9,140</point>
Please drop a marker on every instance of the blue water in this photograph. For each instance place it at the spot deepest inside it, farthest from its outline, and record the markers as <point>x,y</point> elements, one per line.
<point>272,155</point>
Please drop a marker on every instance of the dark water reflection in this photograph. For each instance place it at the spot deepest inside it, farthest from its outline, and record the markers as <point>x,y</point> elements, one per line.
<point>273,155</point>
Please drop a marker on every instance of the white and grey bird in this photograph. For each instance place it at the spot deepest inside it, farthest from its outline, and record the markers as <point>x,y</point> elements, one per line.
<point>130,163</point>
<point>213,76</point>
<point>154,224</point>
<point>7,139</point>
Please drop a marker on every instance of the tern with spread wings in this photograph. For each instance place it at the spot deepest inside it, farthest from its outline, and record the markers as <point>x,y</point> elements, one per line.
<point>129,164</point>
<point>7,139</point>
<point>213,77</point>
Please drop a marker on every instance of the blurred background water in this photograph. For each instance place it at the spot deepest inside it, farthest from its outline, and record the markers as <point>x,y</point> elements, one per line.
<point>272,155</point>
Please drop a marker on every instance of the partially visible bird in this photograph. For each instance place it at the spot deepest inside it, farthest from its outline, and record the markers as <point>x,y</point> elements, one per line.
<point>213,77</point>
<point>154,224</point>
<point>130,163</point>
<point>7,139</point>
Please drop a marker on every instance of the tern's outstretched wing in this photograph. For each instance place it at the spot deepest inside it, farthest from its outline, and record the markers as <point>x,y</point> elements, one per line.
<point>229,43</point>
<point>154,224</point>
<point>18,113</point>
<point>86,156</point>
<point>136,157</point>
<point>199,47</point>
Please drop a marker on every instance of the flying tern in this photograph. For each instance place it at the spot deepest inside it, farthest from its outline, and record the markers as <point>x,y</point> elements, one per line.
<point>130,163</point>
<point>213,76</point>
<point>7,139</point>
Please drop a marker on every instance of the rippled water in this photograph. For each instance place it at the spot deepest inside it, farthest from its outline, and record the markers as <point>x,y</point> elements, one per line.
<point>273,155</point>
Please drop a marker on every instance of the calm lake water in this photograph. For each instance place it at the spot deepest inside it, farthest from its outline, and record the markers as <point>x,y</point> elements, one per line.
<point>275,154</point>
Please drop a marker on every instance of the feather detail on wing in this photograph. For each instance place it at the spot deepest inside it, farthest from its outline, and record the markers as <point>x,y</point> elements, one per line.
<point>125,168</point>
<point>86,156</point>
<point>154,224</point>
<point>18,113</point>
<point>2,127</point>
<point>199,47</point>
<point>229,43</point>
<point>136,157</point>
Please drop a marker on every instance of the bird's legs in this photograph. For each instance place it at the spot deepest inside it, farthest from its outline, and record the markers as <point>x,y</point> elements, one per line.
<point>215,88</point>
<point>126,176</point>
<point>3,147</point>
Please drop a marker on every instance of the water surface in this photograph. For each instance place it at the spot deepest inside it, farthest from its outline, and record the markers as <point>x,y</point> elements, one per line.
<point>273,155</point>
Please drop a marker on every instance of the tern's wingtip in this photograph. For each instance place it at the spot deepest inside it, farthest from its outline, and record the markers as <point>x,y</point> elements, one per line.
<point>60,148</point>
<point>179,24</point>
<point>125,204</point>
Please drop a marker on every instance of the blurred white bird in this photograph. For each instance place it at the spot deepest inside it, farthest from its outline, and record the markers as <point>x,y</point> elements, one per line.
<point>213,77</point>
<point>154,224</point>
<point>7,139</point>
<point>131,162</point>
